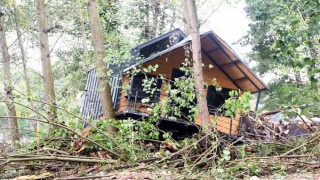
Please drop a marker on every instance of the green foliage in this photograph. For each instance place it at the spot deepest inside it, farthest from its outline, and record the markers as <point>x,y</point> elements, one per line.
<point>292,99</point>
<point>109,15</point>
<point>127,140</point>
<point>237,102</point>
<point>181,97</point>
<point>285,40</point>
<point>70,71</point>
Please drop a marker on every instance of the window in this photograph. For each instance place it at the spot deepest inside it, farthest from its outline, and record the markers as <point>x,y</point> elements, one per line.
<point>139,92</point>
<point>215,99</point>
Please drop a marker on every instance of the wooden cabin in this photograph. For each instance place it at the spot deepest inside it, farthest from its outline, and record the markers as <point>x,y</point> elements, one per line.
<point>168,53</point>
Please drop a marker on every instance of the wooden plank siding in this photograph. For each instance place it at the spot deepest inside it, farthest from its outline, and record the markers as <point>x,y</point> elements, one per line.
<point>223,123</point>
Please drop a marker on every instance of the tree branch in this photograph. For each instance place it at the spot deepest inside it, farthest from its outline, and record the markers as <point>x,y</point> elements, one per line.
<point>58,158</point>
<point>68,129</point>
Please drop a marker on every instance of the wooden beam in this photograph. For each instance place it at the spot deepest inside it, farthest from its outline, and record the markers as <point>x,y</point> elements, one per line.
<point>213,50</point>
<point>214,40</point>
<point>229,63</point>
<point>242,78</point>
<point>224,72</point>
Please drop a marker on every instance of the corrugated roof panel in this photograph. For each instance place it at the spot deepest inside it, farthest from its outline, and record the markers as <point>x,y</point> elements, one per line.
<point>91,106</point>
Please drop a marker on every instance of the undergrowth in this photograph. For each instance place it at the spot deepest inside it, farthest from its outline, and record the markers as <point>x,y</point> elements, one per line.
<point>214,154</point>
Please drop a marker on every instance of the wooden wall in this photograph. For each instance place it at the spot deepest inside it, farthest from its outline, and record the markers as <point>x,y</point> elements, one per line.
<point>175,58</point>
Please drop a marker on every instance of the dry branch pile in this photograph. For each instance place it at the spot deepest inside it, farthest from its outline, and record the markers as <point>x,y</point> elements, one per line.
<point>263,147</point>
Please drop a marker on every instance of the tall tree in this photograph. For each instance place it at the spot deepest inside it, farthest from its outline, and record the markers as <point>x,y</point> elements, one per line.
<point>197,63</point>
<point>8,88</point>
<point>45,61</point>
<point>23,58</point>
<point>99,54</point>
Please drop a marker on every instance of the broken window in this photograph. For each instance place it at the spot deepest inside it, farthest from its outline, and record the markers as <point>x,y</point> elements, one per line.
<point>215,99</point>
<point>139,92</point>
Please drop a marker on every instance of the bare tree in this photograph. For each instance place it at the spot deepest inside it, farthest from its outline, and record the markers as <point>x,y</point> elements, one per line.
<point>8,88</point>
<point>99,54</point>
<point>197,64</point>
<point>45,61</point>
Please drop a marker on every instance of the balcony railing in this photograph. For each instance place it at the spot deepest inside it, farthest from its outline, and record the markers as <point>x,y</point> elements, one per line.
<point>135,104</point>
<point>140,101</point>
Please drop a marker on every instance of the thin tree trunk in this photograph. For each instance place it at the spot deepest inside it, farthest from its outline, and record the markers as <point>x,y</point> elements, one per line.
<point>84,42</point>
<point>8,88</point>
<point>155,15</point>
<point>162,11</point>
<point>147,31</point>
<point>45,61</point>
<point>101,66</point>
<point>197,66</point>
<point>186,25</point>
<point>24,62</point>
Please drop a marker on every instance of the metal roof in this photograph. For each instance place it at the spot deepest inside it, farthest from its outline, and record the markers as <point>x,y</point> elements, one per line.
<point>134,61</point>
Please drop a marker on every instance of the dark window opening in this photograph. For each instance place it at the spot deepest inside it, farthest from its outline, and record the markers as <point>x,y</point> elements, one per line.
<point>138,91</point>
<point>215,99</point>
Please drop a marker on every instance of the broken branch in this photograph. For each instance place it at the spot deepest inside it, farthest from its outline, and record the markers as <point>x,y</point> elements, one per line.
<point>58,158</point>
<point>68,129</point>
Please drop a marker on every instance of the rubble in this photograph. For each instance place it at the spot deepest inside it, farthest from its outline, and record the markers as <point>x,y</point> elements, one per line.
<point>272,126</point>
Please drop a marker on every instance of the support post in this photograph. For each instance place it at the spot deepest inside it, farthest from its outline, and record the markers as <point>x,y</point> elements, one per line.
<point>258,100</point>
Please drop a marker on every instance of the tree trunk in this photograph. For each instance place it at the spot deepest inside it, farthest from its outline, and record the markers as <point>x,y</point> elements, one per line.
<point>155,16</point>
<point>186,24</point>
<point>148,29</point>
<point>101,66</point>
<point>46,62</point>
<point>197,66</point>
<point>13,123</point>
<point>84,42</point>
<point>24,62</point>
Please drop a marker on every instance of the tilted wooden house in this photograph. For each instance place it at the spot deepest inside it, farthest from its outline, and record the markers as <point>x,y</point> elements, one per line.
<point>167,51</point>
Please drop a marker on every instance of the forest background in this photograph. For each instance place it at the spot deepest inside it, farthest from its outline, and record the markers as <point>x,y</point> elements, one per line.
<point>281,40</point>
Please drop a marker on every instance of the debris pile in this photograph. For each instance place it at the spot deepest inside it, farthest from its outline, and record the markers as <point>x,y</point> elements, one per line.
<point>266,144</point>
<point>272,126</point>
